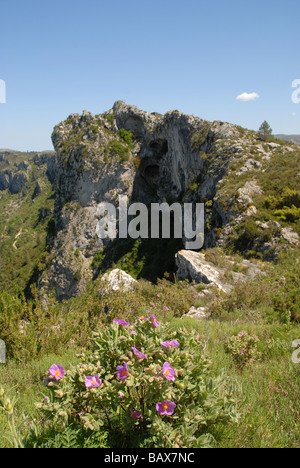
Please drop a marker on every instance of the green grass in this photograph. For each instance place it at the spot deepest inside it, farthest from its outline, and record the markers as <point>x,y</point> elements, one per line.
<point>268,391</point>
<point>24,382</point>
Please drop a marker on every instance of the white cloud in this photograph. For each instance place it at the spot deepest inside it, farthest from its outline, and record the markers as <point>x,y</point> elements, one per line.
<point>245,97</point>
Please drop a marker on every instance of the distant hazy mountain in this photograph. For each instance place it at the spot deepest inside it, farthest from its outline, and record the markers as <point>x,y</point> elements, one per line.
<point>290,138</point>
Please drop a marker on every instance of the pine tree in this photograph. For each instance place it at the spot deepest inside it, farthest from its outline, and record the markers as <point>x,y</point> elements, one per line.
<point>265,131</point>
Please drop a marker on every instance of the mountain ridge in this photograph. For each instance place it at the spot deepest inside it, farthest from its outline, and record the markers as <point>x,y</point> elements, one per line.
<point>290,138</point>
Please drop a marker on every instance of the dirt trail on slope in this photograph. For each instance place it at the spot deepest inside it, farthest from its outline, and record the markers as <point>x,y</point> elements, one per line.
<point>16,238</point>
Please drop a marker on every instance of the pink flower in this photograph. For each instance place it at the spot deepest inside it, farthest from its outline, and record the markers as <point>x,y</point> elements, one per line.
<point>57,372</point>
<point>166,308</point>
<point>143,318</point>
<point>158,295</point>
<point>121,395</point>
<point>166,407</point>
<point>122,323</point>
<point>154,321</point>
<point>138,353</point>
<point>122,371</point>
<point>168,372</point>
<point>169,344</point>
<point>135,414</point>
<point>240,335</point>
<point>242,352</point>
<point>92,382</point>
<point>152,304</point>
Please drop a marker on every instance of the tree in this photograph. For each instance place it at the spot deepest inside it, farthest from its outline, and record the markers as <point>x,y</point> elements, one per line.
<point>265,131</point>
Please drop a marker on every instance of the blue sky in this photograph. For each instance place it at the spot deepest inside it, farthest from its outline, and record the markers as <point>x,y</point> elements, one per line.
<point>61,57</point>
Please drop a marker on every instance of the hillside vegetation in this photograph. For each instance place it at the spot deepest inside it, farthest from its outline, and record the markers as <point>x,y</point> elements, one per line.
<point>237,374</point>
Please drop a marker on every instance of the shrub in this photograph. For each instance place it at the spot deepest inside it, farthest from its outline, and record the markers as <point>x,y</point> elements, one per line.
<point>286,297</point>
<point>98,258</point>
<point>95,129</point>
<point>217,257</point>
<point>288,214</point>
<point>126,136</point>
<point>200,136</point>
<point>193,186</point>
<point>141,389</point>
<point>116,148</point>
<point>242,349</point>
<point>77,275</point>
<point>110,118</point>
<point>288,198</point>
<point>286,207</point>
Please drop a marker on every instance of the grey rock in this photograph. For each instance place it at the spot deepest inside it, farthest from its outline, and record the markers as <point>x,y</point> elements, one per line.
<point>24,166</point>
<point>248,191</point>
<point>192,265</point>
<point>273,146</point>
<point>18,182</point>
<point>5,179</point>
<point>290,236</point>
<point>44,213</point>
<point>199,313</point>
<point>50,161</point>
<point>117,280</point>
<point>250,165</point>
<point>37,190</point>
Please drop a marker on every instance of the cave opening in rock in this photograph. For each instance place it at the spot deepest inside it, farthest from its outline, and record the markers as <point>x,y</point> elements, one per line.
<point>152,172</point>
<point>159,148</point>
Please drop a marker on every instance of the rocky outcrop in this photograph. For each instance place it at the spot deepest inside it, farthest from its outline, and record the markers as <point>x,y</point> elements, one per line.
<point>49,160</point>
<point>14,182</point>
<point>290,236</point>
<point>23,166</point>
<point>17,171</point>
<point>150,158</point>
<point>117,280</point>
<point>18,182</point>
<point>199,313</point>
<point>88,173</point>
<point>194,266</point>
<point>5,179</point>
<point>38,190</point>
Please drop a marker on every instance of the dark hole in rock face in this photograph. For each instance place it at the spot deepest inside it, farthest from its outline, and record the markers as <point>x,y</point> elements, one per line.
<point>159,148</point>
<point>152,172</point>
<point>134,125</point>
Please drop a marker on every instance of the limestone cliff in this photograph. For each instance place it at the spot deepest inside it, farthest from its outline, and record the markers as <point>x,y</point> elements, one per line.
<point>150,158</point>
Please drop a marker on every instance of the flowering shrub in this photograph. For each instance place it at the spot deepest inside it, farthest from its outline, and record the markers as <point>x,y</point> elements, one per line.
<point>243,349</point>
<point>144,384</point>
